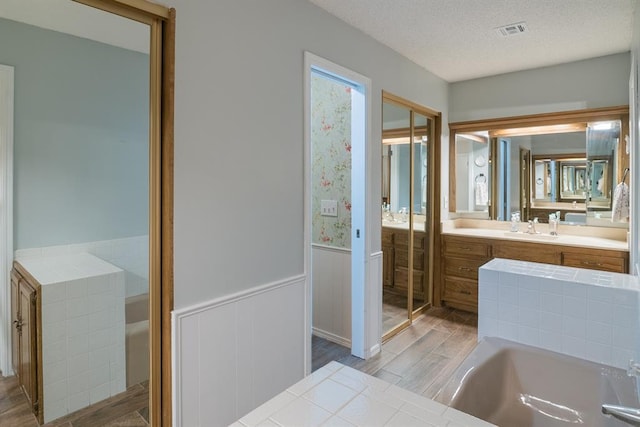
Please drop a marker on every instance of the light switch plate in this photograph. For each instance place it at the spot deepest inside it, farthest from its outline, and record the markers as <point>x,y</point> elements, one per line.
<point>329,207</point>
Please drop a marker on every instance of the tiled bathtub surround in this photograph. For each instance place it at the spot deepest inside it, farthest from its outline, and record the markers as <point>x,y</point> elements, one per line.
<point>83,339</point>
<point>337,395</point>
<point>128,253</point>
<point>589,314</point>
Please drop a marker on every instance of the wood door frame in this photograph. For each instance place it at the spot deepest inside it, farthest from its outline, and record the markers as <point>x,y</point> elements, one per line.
<point>161,21</point>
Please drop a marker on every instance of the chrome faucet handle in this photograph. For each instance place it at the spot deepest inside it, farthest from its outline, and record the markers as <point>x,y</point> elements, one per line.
<point>623,413</point>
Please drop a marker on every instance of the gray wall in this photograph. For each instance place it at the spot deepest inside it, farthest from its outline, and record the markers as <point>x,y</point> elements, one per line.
<point>239,135</point>
<point>80,137</point>
<point>598,82</point>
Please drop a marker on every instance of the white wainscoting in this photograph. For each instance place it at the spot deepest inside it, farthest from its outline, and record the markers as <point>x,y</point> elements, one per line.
<point>374,305</point>
<point>331,290</point>
<point>234,353</point>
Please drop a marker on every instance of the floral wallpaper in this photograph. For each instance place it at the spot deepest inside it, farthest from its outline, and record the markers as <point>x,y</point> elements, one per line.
<point>331,160</point>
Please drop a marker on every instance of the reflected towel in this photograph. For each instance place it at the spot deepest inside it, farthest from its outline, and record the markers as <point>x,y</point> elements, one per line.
<point>620,208</point>
<point>482,194</point>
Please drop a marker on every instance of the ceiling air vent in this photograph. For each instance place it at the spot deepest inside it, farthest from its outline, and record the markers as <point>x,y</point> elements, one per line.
<point>512,29</point>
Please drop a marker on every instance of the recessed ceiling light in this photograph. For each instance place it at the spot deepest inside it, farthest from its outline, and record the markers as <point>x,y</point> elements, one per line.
<point>512,29</point>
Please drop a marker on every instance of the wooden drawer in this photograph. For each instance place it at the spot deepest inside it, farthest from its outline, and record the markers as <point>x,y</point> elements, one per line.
<point>460,290</point>
<point>401,279</point>
<point>460,267</point>
<point>466,248</point>
<point>402,260</point>
<point>387,237</point>
<point>524,251</point>
<point>401,239</point>
<point>594,262</point>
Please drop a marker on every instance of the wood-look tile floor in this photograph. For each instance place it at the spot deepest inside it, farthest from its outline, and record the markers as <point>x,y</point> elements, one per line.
<point>420,359</point>
<point>130,409</point>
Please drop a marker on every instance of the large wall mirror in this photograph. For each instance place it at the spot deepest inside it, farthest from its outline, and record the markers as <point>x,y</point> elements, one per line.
<point>93,153</point>
<point>408,140</point>
<point>567,162</point>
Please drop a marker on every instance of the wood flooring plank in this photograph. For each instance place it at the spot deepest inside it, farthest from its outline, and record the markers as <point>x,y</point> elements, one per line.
<point>457,340</point>
<point>19,415</point>
<point>421,374</point>
<point>409,357</point>
<point>132,419</point>
<point>371,365</point>
<point>445,374</point>
<point>387,376</point>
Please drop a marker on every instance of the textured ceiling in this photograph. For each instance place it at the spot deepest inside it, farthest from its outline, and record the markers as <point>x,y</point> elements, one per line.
<point>457,39</point>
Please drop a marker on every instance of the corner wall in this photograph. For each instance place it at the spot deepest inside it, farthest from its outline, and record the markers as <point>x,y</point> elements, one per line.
<point>239,178</point>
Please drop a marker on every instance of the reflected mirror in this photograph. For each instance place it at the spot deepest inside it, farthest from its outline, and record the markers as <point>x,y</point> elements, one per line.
<point>407,181</point>
<point>576,160</point>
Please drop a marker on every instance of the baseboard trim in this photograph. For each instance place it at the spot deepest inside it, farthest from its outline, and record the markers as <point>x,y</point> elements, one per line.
<point>332,337</point>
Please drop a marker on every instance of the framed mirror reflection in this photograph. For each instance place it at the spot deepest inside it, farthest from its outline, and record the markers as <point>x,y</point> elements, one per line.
<point>576,160</point>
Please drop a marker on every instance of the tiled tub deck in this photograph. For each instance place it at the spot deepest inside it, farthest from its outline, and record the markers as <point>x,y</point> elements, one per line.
<point>337,395</point>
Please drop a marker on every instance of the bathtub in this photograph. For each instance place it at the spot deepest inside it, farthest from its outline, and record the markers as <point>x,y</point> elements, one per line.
<point>511,384</point>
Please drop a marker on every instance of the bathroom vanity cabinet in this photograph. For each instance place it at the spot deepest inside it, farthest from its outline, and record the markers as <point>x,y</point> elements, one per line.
<point>395,258</point>
<point>462,256</point>
<point>26,337</point>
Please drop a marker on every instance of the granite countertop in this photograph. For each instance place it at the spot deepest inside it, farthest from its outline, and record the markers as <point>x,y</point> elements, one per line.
<point>337,395</point>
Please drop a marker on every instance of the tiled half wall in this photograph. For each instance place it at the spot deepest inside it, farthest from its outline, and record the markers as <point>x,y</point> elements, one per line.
<point>590,314</point>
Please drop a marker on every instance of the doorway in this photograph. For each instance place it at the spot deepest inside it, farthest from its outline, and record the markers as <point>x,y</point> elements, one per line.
<point>154,144</point>
<point>408,175</point>
<point>336,238</point>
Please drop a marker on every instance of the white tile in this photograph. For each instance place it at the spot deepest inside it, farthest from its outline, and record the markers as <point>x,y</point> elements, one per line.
<point>53,332</point>
<point>574,346</point>
<point>54,312</point>
<point>529,336</point>
<point>623,337</point>
<point>601,333</point>
<point>77,307</point>
<point>529,317</point>
<point>599,293</point>
<point>368,380</point>
<point>364,411</point>
<point>301,412</point>
<point>551,286</point>
<point>268,408</point>
<point>600,311</point>
<point>78,383</point>
<point>99,339</point>
<point>576,290</point>
<point>55,391</point>
<point>551,341</point>
<point>620,357</point>
<point>99,393</point>
<point>98,359</point>
<point>507,295</point>
<point>100,320</point>
<point>78,363</point>
<point>508,312</point>
<point>76,288</point>
<point>189,359</point>
<point>508,279</point>
<point>55,409</point>
<point>98,285</point>
<point>574,307</point>
<point>402,419</point>
<point>118,385</point>
<point>598,352</point>
<point>573,326</point>
<point>55,352</point>
<point>465,419</point>
<point>431,411</point>
<point>348,381</point>
<point>78,344</point>
<point>508,331</point>
<point>625,316</point>
<point>551,322</point>
<point>487,327</point>
<point>388,397</point>
<point>330,395</point>
<point>336,421</point>
<point>624,297</point>
<point>528,298</point>
<point>77,326</point>
<point>78,401</point>
<point>487,308</point>
<point>99,375</point>
<point>53,372</point>
<point>53,293</point>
